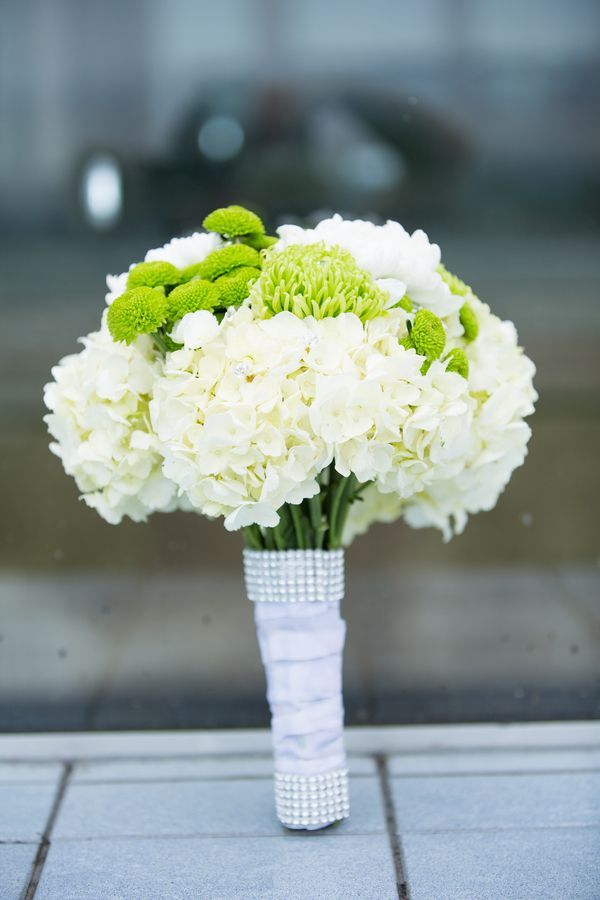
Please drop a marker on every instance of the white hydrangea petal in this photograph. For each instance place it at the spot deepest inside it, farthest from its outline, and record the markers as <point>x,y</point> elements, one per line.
<point>195,329</point>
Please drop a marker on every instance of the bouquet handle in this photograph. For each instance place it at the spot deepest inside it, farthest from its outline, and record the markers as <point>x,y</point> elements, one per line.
<point>301,635</point>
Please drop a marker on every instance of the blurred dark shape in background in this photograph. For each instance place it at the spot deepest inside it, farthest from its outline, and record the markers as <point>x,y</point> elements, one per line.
<point>284,152</point>
<point>122,124</point>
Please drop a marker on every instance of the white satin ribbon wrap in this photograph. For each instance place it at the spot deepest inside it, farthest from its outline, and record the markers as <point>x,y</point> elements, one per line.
<point>301,646</point>
<point>301,636</point>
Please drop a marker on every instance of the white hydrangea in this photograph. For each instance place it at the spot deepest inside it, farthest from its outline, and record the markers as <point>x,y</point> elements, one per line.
<point>372,507</point>
<point>100,423</point>
<point>501,386</point>
<point>248,421</point>
<point>180,252</point>
<point>501,382</point>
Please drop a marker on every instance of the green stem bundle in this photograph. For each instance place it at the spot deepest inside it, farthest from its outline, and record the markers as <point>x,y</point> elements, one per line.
<point>315,524</point>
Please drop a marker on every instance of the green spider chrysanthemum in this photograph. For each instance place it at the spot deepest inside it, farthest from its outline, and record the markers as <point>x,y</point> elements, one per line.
<point>234,288</point>
<point>427,334</point>
<point>154,274</point>
<point>234,221</point>
<point>454,282</point>
<point>469,322</point>
<point>316,280</point>
<point>140,310</point>
<point>457,361</point>
<point>221,262</point>
<point>191,297</point>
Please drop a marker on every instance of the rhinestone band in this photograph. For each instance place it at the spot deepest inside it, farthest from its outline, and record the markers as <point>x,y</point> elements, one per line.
<point>312,801</point>
<point>294,576</point>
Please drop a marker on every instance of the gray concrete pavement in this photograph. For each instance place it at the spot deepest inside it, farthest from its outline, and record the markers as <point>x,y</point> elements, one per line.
<point>462,813</point>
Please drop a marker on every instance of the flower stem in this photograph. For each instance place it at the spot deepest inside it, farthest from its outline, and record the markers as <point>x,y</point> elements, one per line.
<point>317,525</point>
<point>160,342</point>
<point>297,520</point>
<point>253,538</point>
<point>347,495</point>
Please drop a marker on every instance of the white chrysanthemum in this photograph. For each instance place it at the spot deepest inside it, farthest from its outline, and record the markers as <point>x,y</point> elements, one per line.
<point>180,252</point>
<point>99,420</point>
<point>186,251</point>
<point>248,421</point>
<point>400,262</point>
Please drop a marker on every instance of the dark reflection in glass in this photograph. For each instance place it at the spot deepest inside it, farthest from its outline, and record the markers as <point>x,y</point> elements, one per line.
<point>121,125</point>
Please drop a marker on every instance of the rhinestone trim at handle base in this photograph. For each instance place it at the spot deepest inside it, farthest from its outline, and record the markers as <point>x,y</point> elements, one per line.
<point>312,801</point>
<point>294,576</point>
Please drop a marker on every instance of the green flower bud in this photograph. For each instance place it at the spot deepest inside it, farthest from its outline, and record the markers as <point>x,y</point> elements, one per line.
<point>140,310</point>
<point>191,297</point>
<point>454,283</point>
<point>457,361</point>
<point>428,335</point>
<point>221,262</point>
<point>235,288</point>
<point>153,274</point>
<point>234,221</point>
<point>260,241</point>
<point>469,322</point>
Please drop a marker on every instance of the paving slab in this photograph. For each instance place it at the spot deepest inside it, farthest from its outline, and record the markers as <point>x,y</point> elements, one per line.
<point>16,863</point>
<point>189,768</point>
<point>24,811</point>
<point>494,762</point>
<point>19,772</point>
<point>559,864</point>
<point>186,808</point>
<point>496,801</point>
<point>269,868</point>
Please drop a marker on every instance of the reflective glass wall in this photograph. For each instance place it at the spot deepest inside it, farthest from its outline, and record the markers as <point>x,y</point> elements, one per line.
<point>122,124</point>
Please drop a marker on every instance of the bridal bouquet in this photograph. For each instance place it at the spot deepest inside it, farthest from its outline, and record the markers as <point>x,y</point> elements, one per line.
<point>302,387</point>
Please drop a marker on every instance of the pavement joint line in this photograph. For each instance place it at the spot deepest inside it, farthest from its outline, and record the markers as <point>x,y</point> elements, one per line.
<point>44,845</point>
<point>486,773</point>
<point>191,779</point>
<point>323,835</point>
<point>502,829</point>
<point>392,828</point>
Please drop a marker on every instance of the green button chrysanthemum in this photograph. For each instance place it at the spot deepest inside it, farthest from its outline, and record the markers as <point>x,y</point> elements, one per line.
<point>457,361</point>
<point>260,241</point>
<point>427,334</point>
<point>191,297</point>
<point>234,288</point>
<point>454,283</point>
<point>154,274</point>
<point>316,280</point>
<point>140,310</point>
<point>221,262</point>
<point>469,322</point>
<point>234,221</point>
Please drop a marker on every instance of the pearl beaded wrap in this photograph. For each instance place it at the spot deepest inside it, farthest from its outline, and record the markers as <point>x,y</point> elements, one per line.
<point>296,595</point>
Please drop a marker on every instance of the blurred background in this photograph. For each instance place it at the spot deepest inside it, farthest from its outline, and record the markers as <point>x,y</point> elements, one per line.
<point>122,124</point>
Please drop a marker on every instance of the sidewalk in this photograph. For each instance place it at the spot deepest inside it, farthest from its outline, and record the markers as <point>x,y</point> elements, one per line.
<point>438,813</point>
